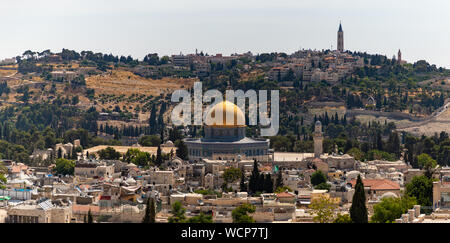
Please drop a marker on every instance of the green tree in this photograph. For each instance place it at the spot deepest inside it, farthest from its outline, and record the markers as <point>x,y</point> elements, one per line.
<point>356,153</point>
<point>279,180</point>
<point>137,157</point>
<point>64,166</point>
<point>268,184</point>
<point>253,181</point>
<point>159,159</point>
<point>201,218</point>
<point>318,178</point>
<point>393,144</point>
<point>323,208</point>
<point>358,210</point>
<point>231,175</point>
<point>390,209</point>
<point>240,213</point>
<point>281,189</point>
<point>421,188</point>
<point>150,140</point>
<point>242,184</point>
<point>427,163</point>
<point>342,219</point>
<point>323,186</point>
<point>109,153</point>
<point>182,151</point>
<point>90,219</point>
<point>150,212</point>
<point>177,213</point>
<point>3,171</point>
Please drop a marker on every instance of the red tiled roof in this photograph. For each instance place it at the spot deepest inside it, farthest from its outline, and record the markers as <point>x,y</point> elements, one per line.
<point>378,184</point>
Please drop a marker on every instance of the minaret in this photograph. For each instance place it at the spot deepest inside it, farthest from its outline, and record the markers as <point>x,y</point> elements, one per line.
<point>399,56</point>
<point>340,39</point>
<point>318,139</point>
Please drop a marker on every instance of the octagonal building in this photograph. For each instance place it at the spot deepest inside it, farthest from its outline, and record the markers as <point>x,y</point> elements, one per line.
<point>226,140</point>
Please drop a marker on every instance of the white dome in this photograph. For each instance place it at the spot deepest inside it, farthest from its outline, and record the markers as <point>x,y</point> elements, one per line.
<point>130,209</point>
<point>353,174</point>
<point>130,180</point>
<point>389,195</point>
<point>131,165</point>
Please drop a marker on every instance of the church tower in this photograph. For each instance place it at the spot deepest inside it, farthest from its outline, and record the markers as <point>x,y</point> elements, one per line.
<point>399,56</point>
<point>340,39</point>
<point>318,139</point>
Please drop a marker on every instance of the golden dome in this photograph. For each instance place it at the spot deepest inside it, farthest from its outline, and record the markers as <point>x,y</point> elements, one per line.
<point>227,108</point>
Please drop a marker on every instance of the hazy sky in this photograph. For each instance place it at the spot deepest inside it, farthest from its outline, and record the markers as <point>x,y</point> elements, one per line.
<point>421,29</point>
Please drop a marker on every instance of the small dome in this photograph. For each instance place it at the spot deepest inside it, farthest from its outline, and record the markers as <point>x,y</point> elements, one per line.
<point>389,195</point>
<point>318,123</point>
<point>130,180</point>
<point>130,209</point>
<point>353,174</point>
<point>176,160</point>
<point>229,109</point>
<point>131,165</point>
<point>169,143</point>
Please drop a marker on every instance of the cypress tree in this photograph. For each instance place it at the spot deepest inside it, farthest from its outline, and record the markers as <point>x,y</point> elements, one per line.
<point>253,182</point>
<point>90,220</point>
<point>74,153</point>
<point>260,183</point>
<point>379,141</point>
<point>146,218</point>
<point>182,150</point>
<point>158,156</point>
<point>60,153</point>
<point>268,184</point>
<point>150,212</point>
<point>279,180</point>
<point>358,210</point>
<point>243,185</point>
<point>162,135</point>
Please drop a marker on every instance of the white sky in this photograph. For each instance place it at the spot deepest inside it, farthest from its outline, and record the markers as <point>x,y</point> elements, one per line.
<point>421,29</point>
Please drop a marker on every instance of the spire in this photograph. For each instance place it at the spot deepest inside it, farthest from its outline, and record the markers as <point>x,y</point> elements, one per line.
<point>340,26</point>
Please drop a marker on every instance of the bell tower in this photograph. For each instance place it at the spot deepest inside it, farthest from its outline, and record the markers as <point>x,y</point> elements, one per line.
<point>318,139</point>
<point>340,39</point>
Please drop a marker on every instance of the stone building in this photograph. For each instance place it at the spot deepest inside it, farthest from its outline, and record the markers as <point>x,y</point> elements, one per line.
<point>43,211</point>
<point>92,169</point>
<point>441,193</point>
<point>161,177</point>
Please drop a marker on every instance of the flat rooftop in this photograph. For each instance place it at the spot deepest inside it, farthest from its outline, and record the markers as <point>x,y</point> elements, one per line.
<point>124,149</point>
<point>282,156</point>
